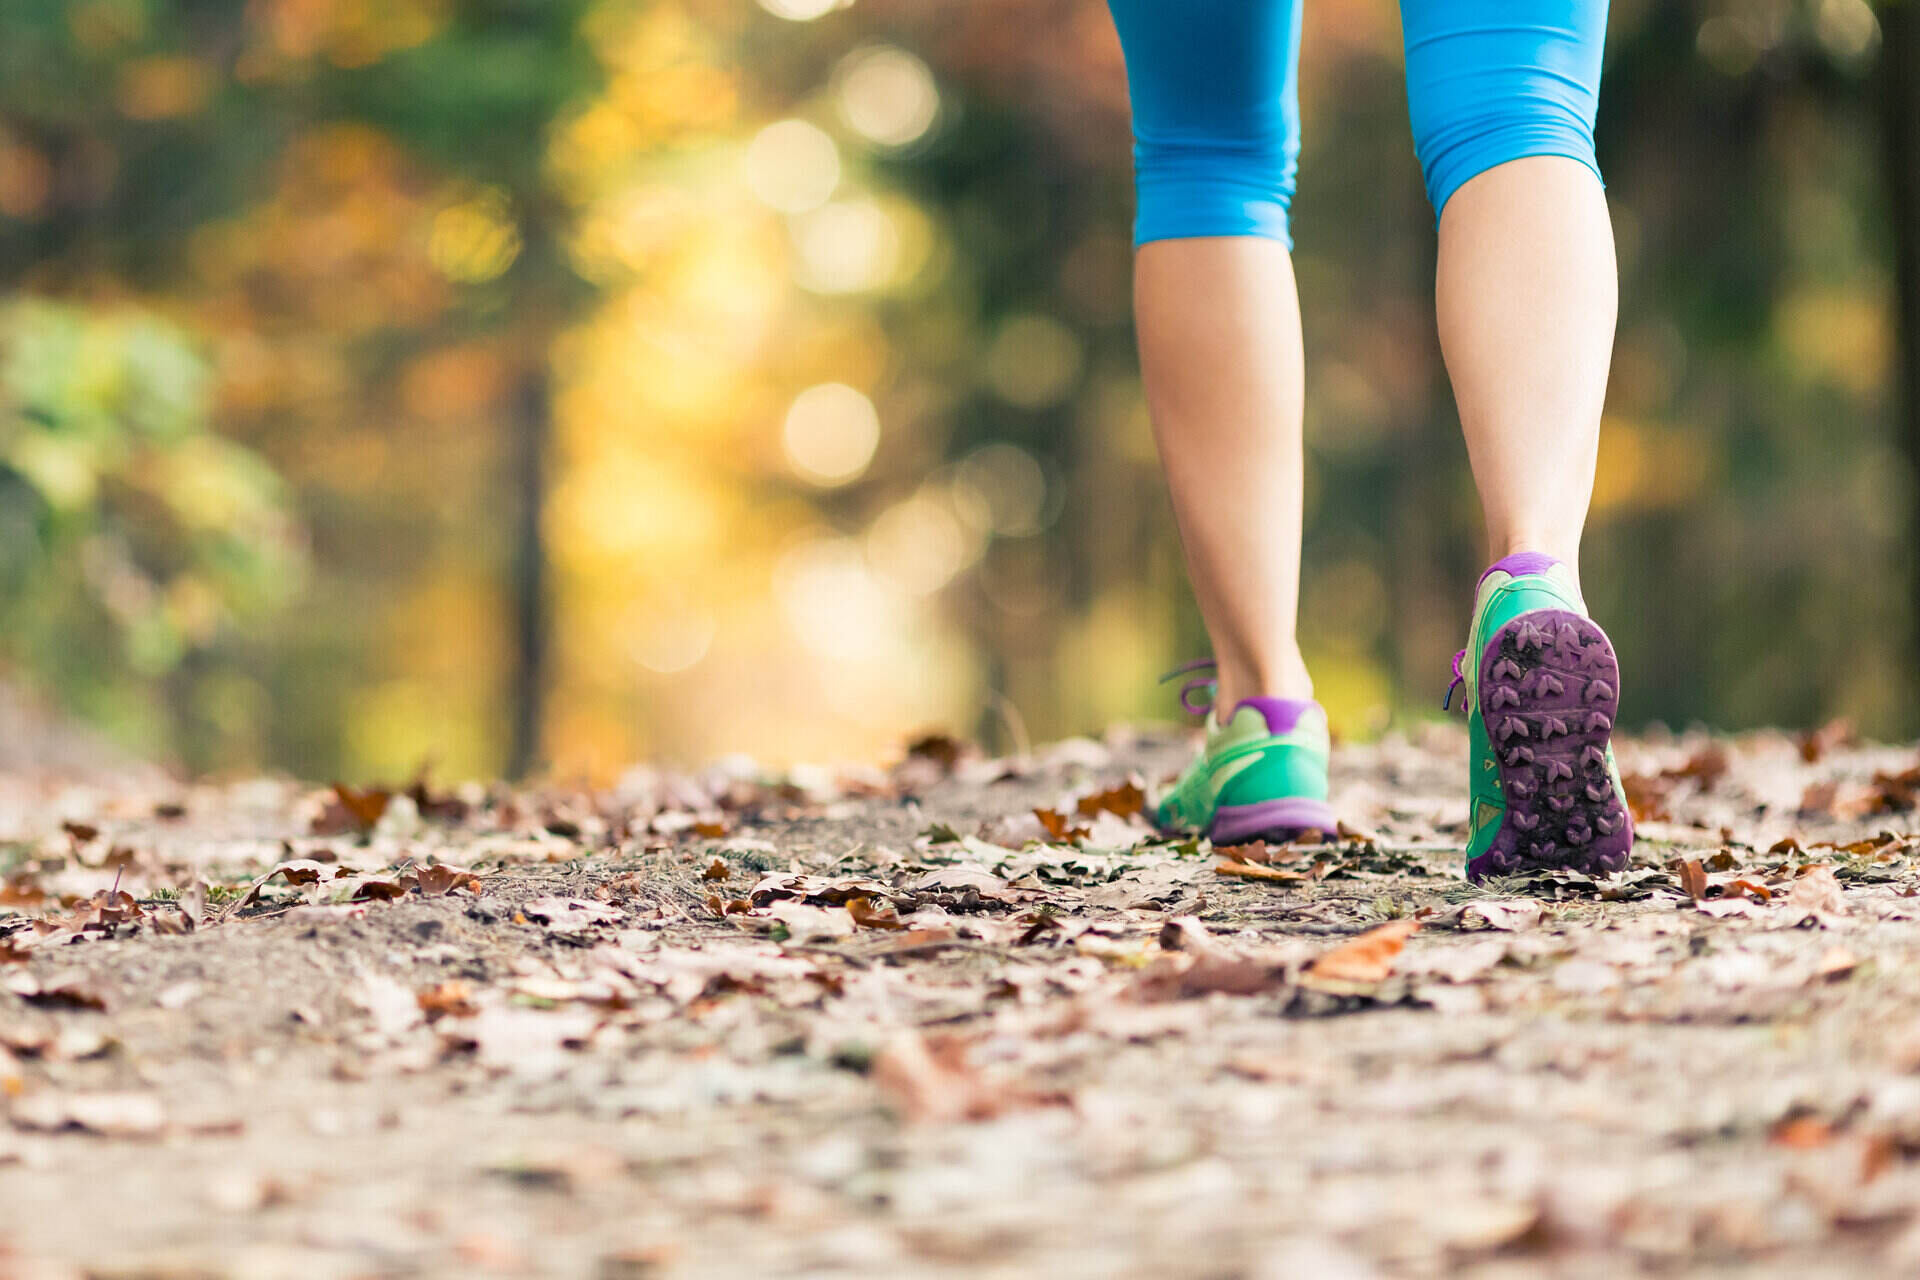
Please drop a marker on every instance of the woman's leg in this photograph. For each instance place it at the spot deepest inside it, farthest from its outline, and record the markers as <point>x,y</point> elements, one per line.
<point>1526,299</point>
<point>1216,128</point>
<point>1219,327</point>
<point>1502,95</point>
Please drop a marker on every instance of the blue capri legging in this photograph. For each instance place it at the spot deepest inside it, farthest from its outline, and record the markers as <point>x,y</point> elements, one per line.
<point>1216,110</point>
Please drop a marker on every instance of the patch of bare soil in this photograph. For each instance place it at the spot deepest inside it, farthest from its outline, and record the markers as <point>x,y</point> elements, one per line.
<point>962,1015</point>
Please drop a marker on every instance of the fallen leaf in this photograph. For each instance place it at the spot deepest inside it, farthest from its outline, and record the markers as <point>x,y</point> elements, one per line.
<point>113,1115</point>
<point>942,749</point>
<point>1693,879</point>
<point>930,1080</point>
<point>352,809</point>
<point>1124,801</point>
<point>443,878</point>
<point>717,870</point>
<point>571,914</point>
<point>526,1042</point>
<point>244,1191</point>
<point>816,889</point>
<point>453,998</point>
<point>1366,959</point>
<point>69,992</point>
<point>1801,1133</point>
<point>1509,914</point>
<point>1829,736</point>
<point>393,1008</point>
<point>1251,871</point>
<point>1057,826</point>
<point>1817,892</point>
<point>871,915</point>
<point>811,924</point>
<point>1837,963</point>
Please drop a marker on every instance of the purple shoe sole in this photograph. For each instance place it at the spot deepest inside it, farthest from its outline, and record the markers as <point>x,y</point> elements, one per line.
<point>1276,820</point>
<point>1549,693</point>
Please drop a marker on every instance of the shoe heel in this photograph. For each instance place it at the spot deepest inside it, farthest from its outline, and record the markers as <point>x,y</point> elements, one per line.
<point>1549,690</point>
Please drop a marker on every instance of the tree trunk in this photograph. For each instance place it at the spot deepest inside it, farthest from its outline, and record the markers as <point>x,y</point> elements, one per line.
<point>1899,102</point>
<point>527,582</point>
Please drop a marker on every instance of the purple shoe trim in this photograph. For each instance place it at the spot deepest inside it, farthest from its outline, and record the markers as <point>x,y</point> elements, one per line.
<point>1549,694</point>
<point>1282,714</point>
<point>1520,563</point>
<point>1280,819</point>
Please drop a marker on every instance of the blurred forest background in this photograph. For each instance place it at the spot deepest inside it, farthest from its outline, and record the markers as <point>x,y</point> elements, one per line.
<point>559,383</point>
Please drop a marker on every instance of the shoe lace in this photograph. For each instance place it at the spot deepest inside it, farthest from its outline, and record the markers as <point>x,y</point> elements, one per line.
<point>1208,685</point>
<point>1458,680</point>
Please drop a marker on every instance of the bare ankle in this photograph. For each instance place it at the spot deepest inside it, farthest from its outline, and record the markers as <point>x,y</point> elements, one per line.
<point>1285,677</point>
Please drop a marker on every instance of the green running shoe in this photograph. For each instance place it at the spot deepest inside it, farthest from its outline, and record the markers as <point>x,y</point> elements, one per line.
<point>1260,776</point>
<point>1542,695</point>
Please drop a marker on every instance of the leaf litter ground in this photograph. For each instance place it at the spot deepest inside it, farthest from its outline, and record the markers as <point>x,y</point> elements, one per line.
<point>966,1014</point>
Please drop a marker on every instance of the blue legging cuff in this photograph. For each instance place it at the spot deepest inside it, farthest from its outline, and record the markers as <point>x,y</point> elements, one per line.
<point>1455,161</point>
<point>1179,206</point>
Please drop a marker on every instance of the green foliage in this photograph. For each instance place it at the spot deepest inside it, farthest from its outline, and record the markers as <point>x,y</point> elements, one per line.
<point>131,536</point>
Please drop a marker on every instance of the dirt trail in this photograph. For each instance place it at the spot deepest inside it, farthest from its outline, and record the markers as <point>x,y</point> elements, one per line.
<point>900,1024</point>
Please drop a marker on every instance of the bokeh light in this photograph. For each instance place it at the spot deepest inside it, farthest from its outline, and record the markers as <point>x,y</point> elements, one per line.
<point>793,166</point>
<point>802,10</point>
<point>848,246</point>
<point>887,96</point>
<point>1033,362</point>
<point>835,606</point>
<point>1002,488</point>
<point>918,545</point>
<point>830,434</point>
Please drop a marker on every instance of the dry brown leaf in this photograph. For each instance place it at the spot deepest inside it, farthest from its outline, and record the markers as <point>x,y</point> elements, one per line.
<point>1693,879</point>
<point>1261,853</point>
<point>1124,801</point>
<point>571,914</point>
<point>1198,964</point>
<point>1251,871</point>
<point>1828,737</point>
<point>1706,766</point>
<point>1366,959</point>
<point>1801,1133</point>
<point>710,830</point>
<point>783,884</point>
<point>1509,914</point>
<point>1647,796</point>
<point>443,878</point>
<point>1818,892</point>
<point>1894,792</point>
<point>453,998</point>
<point>352,809</point>
<point>69,992</point>
<point>930,1080</point>
<point>1837,963</point>
<point>113,1115</point>
<point>942,749</point>
<point>869,914</point>
<point>717,870</point>
<point>374,888</point>
<point>1057,825</point>
<point>1748,889</point>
